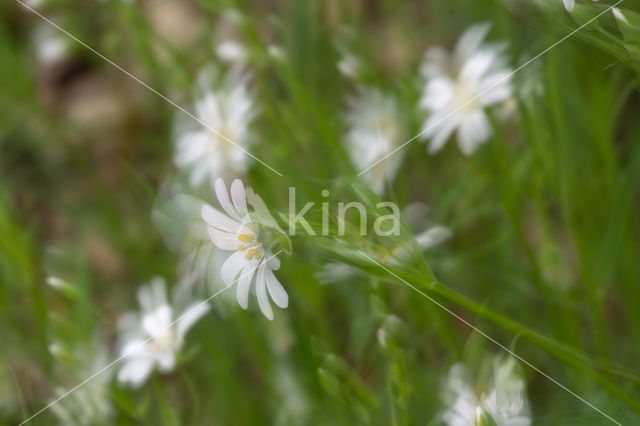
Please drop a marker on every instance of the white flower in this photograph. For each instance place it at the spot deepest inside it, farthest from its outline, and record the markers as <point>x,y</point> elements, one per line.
<point>374,131</point>
<point>250,242</point>
<point>229,111</point>
<point>154,338</point>
<point>459,87</point>
<point>504,399</point>
<point>277,52</point>
<point>349,66</point>
<point>231,52</point>
<point>51,45</point>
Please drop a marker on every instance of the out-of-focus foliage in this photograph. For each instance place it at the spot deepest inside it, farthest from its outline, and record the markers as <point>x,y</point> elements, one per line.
<point>542,231</point>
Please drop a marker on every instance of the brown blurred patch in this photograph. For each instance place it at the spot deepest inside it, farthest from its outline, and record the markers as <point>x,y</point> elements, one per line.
<point>103,257</point>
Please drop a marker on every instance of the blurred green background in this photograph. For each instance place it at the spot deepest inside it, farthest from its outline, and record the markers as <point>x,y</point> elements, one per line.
<point>546,231</point>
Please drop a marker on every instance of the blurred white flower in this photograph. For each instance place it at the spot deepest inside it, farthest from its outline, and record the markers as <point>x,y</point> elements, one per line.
<point>375,129</point>
<point>34,4</point>
<point>90,403</point>
<point>231,52</point>
<point>229,110</point>
<point>349,65</point>
<point>154,337</point>
<point>570,4</point>
<point>619,15</point>
<point>277,52</point>
<point>503,399</point>
<point>51,45</point>
<point>428,235</point>
<point>460,86</point>
<point>252,257</point>
<point>178,217</point>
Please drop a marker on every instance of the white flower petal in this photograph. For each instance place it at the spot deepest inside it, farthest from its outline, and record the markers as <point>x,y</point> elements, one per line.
<point>190,147</point>
<point>261,292</point>
<point>208,111</point>
<point>497,87</point>
<point>569,4</point>
<point>190,317</point>
<point>473,131</point>
<point>134,348</point>
<point>223,199</point>
<point>232,267</point>
<point>470,42</point>
<point>244,283</point>
<point>220,222</point>
<point>166,360</point>
<point>135,371</point>
<point>239,198</point>
<point>432,237</point>
<point>157,321</point>
<point>478,65</point>
<point>153,295</point>
<point>274,261</point>
<point>224,240</point>
<point>231,51</point>
<point>438,93</point>
<point>276,291</point>
<point>440,131</point>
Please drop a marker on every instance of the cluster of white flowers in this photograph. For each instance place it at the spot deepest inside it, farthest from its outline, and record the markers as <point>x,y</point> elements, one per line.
<point>154,337</point>
<point>458,90</point>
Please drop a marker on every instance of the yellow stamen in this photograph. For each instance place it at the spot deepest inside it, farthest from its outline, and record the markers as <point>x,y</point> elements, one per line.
<point>247,238</point>
<point>252,253</point>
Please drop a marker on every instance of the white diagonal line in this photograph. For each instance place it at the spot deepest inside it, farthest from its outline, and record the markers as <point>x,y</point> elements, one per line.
<point>139,345</point>
<point>493,86</point>
<point>476,329</point>
<point>147,86</point>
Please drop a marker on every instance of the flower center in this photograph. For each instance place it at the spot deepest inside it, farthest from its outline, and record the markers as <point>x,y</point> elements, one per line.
<point>163,341</point>
<point>251,244</point>
<point>464,96</point>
